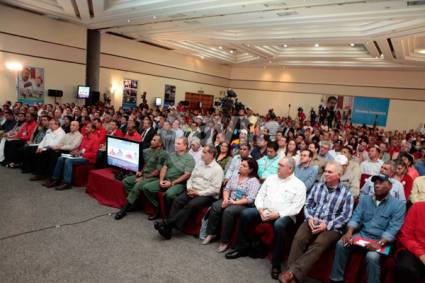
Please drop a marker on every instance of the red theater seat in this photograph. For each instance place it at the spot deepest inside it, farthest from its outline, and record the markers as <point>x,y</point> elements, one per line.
<point>103,186</point>
<point>363,178</point>
<point>80,174</point>
<point>193,225</point>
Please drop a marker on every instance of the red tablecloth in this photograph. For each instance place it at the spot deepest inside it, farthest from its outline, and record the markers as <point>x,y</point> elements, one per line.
<point>103,186</point>
<point>80,174</point>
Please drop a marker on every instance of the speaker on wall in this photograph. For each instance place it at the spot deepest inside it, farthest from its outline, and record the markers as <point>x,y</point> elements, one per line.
<point>54,93</point>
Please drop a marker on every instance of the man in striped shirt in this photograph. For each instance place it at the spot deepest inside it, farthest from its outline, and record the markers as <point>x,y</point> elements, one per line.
<point>327,210</point>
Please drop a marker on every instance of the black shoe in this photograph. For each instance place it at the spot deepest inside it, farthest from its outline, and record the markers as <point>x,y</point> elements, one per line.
<point>123,211</point>
<point>156,225</point>
<point>234,254</point>
<point>155,216</point>
<point>276,270</point>
<point>120,214</point>
<point>332,281</point>
<point>36,178</point>
<point>52,183</point>
<point>164,230</point>
<point>64,187</point>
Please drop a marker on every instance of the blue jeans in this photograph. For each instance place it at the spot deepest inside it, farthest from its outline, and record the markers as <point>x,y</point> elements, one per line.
<point>280,226</point>
<point>373,265</point>
<point>66,165</point>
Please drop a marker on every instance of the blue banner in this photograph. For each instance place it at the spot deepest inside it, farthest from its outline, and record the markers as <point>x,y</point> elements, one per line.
<point>370,111</point>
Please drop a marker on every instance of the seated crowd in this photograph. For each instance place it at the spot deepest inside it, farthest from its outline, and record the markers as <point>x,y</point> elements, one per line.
<point>332,183</point>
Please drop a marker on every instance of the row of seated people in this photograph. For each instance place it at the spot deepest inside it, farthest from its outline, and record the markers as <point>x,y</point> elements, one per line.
<point>330,217</point>
<point>44,149</point>
<point>180,164</point>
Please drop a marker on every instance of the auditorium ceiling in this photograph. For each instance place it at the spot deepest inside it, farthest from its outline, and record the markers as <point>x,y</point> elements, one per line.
<point>299,33</point>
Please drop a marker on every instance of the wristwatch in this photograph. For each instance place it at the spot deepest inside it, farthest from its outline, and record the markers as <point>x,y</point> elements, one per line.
<point>381,243</point>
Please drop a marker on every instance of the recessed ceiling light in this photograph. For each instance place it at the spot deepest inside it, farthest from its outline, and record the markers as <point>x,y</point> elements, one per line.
<point>248,45</point>
<point>202,57</point>
<point>352,44</point>
<point>285,45</point>
<point>422,51</point>
<point>316,45</point>
<point>128,21</point>
<point>220,47</point>
<point>382,55</point>
<point>154,17</point>
<point>231,51</point>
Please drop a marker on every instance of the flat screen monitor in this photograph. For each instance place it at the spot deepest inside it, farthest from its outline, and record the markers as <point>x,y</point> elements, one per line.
<point>158,101</point>
<point>123,153</point>
<point>83,92</point>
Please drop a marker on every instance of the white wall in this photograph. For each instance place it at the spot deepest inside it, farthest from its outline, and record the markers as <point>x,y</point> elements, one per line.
<point>306,88</point>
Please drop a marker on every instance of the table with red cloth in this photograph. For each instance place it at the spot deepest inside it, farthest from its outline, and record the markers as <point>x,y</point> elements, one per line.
<point>107,190</point>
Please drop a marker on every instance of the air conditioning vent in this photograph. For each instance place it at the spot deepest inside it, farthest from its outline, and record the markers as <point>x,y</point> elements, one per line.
<point>176,16</point>
<point>155,45</point>
<point>286,14</point>
<point>415,3</point>
<point>194,22</point>
<point>120,35</point>
<point>274,4</point>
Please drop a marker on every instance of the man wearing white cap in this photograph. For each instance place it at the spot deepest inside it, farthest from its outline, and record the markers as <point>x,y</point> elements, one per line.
<point>351,171</point>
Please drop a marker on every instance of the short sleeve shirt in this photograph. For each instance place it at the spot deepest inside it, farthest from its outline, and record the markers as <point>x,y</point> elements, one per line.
<point>154,159</point>
<point>178,165</point>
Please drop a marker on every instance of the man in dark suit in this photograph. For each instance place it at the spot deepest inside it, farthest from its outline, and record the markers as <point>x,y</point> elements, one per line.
<point>147,133</point>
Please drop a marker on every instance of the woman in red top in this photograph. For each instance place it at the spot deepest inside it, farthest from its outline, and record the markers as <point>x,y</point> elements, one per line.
<point>404,179</point>
<point>12,146</point>
<point>408,160</point>
<point>410,262</point>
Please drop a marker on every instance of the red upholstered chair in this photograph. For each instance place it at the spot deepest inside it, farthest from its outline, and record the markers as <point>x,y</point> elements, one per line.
<point>80,174</point>
<point>193,226</point>
<point>322,269</point>
<point>162,207</point>
<point>144,204</point>
<point>363,178</point>
<point>103,186</point>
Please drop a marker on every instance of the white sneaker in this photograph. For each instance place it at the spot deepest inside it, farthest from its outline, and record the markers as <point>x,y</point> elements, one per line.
<point>208,239</point>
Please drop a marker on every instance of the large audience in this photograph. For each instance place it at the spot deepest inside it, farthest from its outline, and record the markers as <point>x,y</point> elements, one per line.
<point>335,181</point>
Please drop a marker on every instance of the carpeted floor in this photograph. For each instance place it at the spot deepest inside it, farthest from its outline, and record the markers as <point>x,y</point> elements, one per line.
<point>101,249</point>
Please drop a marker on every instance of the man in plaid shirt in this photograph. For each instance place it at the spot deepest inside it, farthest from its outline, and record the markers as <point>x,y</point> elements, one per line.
<point>328,209</point>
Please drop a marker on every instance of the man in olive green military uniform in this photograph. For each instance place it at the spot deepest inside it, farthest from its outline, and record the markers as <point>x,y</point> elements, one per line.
<point>173,175</point>
<point>154,157</point>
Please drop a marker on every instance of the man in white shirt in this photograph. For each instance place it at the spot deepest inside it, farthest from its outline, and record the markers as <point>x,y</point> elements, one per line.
<point>46,160</point>
<point>52,138</point>
<point>373,165</point>
<point>203,188</point>
<point>279,200</point>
